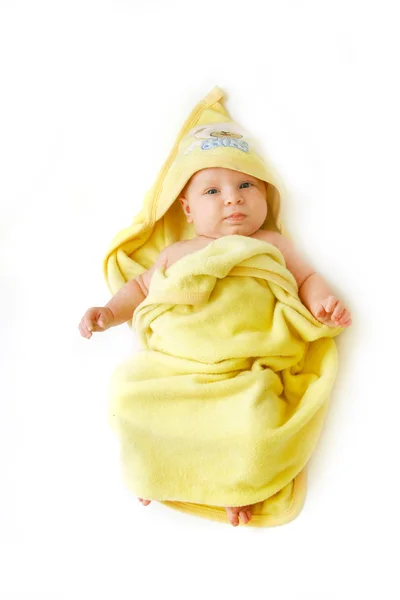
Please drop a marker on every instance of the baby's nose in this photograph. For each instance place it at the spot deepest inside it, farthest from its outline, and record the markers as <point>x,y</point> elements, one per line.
<point>233,197</point>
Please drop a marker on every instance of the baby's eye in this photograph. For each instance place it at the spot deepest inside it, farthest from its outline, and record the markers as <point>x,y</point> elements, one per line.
<point>246,184</point>
<point>212,191</point>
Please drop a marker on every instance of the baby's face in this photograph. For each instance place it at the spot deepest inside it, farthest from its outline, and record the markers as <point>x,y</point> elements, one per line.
<point>212,196</point>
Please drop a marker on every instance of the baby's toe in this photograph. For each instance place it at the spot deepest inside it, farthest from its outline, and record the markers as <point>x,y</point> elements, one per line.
<point>144,502</point>
<point>232,515</point>
<point>244,518</point>
<point>245,514</point>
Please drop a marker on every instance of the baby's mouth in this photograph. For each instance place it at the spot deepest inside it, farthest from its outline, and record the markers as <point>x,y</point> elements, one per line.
<point>235,217</point>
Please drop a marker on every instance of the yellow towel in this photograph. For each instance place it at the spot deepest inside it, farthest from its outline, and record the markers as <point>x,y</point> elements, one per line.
<point>225,403</point>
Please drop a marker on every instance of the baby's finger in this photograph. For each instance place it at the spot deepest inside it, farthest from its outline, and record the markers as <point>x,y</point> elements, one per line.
<point>331,303</point>
<point>99,326</point>
<point>338,312</point>
<point>344,316</point>
<point>88,323</point>
<point>84,330</point>
<point>320,311</point>
<point>346,323</point>
<point>103,322</point>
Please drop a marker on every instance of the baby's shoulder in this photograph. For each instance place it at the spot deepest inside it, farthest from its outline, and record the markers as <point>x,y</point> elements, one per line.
<point>272,237</point>
<point>283,243</point>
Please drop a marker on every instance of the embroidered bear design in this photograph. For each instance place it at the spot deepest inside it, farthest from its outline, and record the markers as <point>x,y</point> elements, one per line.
<point>218,134</point>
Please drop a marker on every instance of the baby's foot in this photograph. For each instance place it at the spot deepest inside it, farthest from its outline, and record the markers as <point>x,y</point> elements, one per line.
<point>144,502</point>
<point>236,512</point>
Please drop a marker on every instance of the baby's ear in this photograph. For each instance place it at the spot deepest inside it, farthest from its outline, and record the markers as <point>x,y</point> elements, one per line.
<point>182,201</point>
<point>185,207</point>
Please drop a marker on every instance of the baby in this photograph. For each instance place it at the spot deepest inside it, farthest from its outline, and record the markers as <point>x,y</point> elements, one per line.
<point>220,202</point>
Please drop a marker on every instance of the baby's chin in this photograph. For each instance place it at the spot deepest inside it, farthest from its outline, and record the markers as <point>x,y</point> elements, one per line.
<point>245,227</point>
<point>239,228</point>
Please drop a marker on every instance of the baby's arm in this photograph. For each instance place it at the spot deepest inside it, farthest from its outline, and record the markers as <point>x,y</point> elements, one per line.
<point>128,298</point>
<point>314,292</point>
<point>123,304</point>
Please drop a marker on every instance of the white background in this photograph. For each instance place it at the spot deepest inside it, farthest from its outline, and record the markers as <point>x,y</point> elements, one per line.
<point>93,94</point>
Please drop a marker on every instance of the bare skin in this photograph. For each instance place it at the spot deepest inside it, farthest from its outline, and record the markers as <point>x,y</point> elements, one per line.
<point>208,201</point>
<point>144,502</point>
<point>234,513</point>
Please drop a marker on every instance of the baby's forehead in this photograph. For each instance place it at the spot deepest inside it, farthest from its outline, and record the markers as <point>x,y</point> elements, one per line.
<point>215,173</point>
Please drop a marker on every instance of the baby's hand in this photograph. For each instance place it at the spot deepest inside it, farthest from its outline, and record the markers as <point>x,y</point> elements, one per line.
<point>332,312</point>
<point>98,318</point>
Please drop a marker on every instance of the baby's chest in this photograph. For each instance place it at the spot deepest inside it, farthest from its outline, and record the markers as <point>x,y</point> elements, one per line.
<point>181,249</point>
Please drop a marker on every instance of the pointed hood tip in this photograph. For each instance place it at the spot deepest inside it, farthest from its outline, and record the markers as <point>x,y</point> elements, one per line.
<point>215,94</point>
